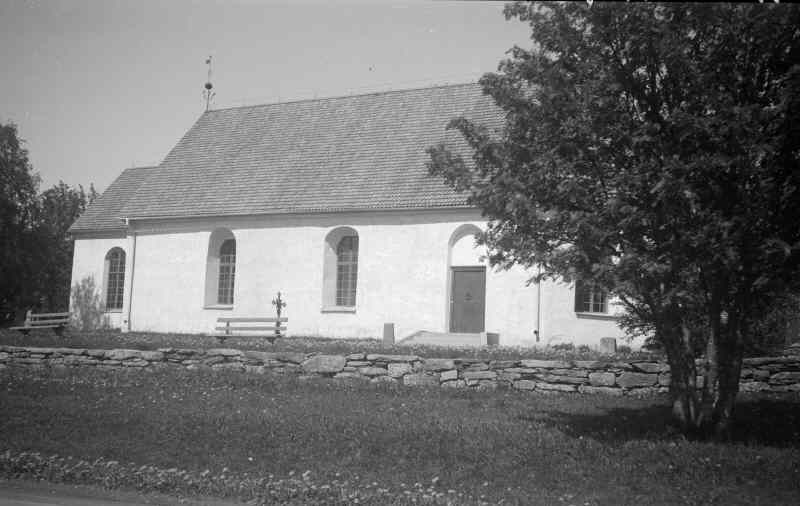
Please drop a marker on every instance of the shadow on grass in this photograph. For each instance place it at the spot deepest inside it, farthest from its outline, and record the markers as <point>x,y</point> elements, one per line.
<point>767,421</point>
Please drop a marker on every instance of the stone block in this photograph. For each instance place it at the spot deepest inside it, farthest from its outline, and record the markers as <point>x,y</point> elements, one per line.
<point>398,369</point>
<point>785,378</point>
<point>437,364</point>
<point>225,352</point>
<point>508,376</point>
<point>356,356</point>
<point>478,375</point>
<point>122,354</point>
<point>135,363</point>
<point>477,366</point>
<point>592,390</point>
<point>377,357</point>
<point>448,375</point>
<point>257,357</point>
<point>554,378</point>
<point>545,364</point>
<point>421,379</point>
<point>636,380</point>
<point>525,385</point>
<point>602,379</point>
<point>292,357</point>
<point>213,360</point>
<point>576,373</point>
<point>324,364</point>
<point>503,364</point>
<point>151,356</point>
<point>555,387</point>
<point>372,371</point>
<point>591,364</point>
<point>358,363</point>
<point>348,375</point>
<point>522,370</point>
<point>664,379</point>
<point>650,367</point>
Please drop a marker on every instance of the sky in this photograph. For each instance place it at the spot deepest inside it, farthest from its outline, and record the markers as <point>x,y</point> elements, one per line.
<point>98,86</point>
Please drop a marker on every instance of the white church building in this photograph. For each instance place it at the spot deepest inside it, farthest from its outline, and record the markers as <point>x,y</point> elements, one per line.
<point>329,202</point>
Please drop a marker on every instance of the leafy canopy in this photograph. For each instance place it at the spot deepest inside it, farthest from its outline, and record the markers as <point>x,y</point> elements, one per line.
<point>648,148</point>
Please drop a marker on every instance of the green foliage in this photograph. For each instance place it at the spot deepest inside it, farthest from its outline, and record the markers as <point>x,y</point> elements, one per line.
<point>87,308</point>
<point>18,187</point>
<point>35,252</point>
<point>651,150</point>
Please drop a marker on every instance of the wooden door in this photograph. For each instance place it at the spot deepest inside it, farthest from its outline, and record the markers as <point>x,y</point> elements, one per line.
<point>468,299</point>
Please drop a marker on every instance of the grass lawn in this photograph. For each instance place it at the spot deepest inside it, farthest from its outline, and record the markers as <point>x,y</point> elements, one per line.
<point>153,340</point>
<point>332,442</point>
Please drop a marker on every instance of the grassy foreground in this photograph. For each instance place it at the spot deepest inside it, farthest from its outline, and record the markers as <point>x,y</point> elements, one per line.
<point>287,440</point>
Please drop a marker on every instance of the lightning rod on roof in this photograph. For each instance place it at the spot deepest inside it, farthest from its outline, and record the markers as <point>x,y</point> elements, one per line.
<point>208,95</point>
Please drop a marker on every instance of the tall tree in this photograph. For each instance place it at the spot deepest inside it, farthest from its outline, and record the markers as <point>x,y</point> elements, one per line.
<point>18,188</point>
<point>58,207</point>
<point>651,150</point>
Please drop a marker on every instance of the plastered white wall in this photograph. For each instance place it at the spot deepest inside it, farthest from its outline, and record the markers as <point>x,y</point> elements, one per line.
<point>403,267</point>
<point>89,261</point>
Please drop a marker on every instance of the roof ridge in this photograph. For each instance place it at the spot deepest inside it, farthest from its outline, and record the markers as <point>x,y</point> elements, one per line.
<point>336,97</point>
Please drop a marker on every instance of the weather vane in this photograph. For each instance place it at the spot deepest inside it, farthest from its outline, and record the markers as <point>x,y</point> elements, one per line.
<point>207,93</point>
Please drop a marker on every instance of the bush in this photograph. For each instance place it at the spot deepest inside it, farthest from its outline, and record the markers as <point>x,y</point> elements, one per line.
<point>87,307</point>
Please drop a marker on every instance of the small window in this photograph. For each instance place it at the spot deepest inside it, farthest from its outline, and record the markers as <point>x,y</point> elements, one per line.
<point>115,279</point>
<point>589,299</point>
<point>346,271</point>
<point>227,272</point>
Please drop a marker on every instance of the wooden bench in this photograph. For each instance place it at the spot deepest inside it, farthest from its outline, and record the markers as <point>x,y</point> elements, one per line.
<point>230,325</point>
<point>55,321</point>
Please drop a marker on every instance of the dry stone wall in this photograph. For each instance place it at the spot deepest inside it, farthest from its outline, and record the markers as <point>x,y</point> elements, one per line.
<point>768,374</point>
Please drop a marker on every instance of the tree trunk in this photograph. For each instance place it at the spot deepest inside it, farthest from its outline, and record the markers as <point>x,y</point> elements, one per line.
<point>683,378</point>
<point>705,410</point>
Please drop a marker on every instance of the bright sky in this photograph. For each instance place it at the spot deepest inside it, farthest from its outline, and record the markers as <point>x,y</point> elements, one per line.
<point>98,86</point>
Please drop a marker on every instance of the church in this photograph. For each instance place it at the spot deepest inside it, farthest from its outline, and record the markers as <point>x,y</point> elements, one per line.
<point>329,202</point>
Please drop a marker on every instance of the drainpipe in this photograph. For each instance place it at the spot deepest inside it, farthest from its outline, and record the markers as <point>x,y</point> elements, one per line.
<point>130,283</point>
<point>537,332</point>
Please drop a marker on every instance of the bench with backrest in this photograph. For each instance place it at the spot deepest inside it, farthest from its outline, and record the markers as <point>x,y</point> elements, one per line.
<point>55,321</point>
<point>233,325</point>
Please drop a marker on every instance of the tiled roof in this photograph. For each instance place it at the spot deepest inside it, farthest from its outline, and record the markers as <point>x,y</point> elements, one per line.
<point>104,215</point>
<point>359,152</point>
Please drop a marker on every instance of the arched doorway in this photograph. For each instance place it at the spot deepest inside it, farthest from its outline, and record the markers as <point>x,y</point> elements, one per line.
<point>467,282</point>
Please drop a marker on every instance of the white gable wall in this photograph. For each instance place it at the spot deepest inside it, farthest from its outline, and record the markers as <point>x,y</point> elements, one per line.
<point>89,259</point>
<point>402,277</point>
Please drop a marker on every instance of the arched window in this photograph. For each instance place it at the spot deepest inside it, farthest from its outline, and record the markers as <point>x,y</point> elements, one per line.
<point>115,279</point>
<point>346,271</point>
<point>227,272</point>
<point>340,270</point>
<point>220,269</point>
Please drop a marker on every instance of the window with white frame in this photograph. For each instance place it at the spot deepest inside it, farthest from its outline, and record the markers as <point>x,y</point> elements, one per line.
<point>340,270</point>
<point>590,299</point>
<point>115,279</point>
<point>227,272</point>
<point>346,271</point>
